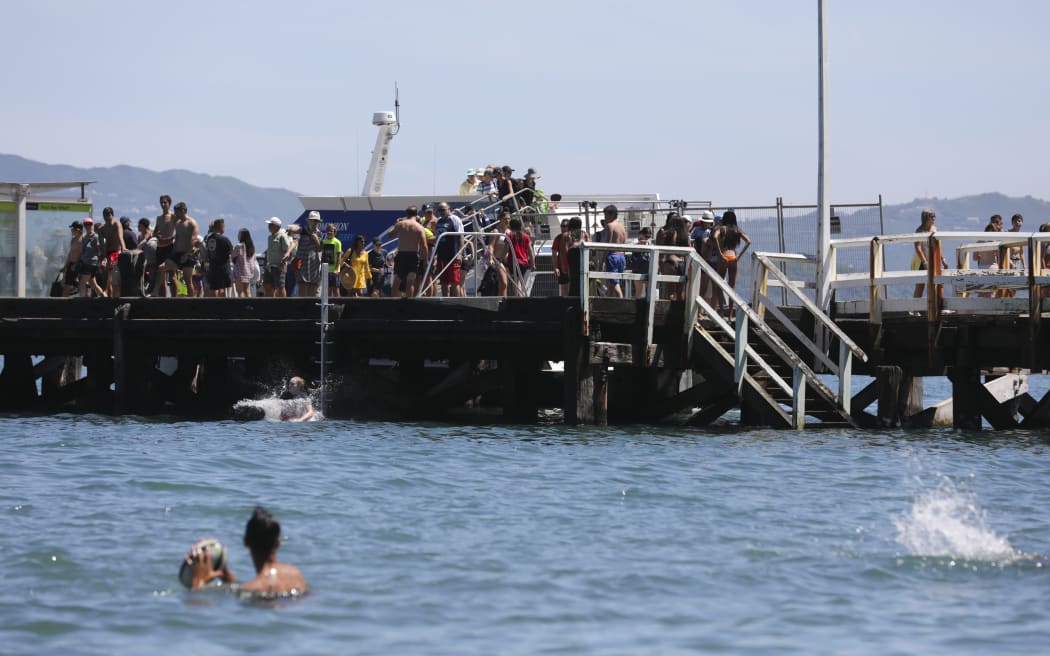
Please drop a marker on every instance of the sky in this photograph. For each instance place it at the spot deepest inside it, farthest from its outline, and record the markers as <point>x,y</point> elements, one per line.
<point>701,100</point>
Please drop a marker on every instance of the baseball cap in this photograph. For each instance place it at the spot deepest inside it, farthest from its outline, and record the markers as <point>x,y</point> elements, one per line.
<point>88,219</point>
<point>273,220</point>
<point>313,216</point>
<point>428,208</point>
<point>77,224</point>
<point>472,171</point>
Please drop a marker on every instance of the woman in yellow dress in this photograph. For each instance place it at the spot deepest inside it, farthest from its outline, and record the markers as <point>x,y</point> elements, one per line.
<point>357,260</point>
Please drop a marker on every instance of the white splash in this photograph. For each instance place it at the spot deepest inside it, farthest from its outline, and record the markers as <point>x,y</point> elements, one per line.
<point>270,407</point>
<point>948,522</point>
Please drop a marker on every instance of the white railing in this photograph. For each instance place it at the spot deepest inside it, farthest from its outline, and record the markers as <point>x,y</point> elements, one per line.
<point>947,288</point>
<point>748,322</point>
<point>765,267</point>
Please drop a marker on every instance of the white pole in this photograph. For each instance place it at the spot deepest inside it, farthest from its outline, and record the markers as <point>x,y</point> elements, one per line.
<point>823,211</point>
<point>20,239</point>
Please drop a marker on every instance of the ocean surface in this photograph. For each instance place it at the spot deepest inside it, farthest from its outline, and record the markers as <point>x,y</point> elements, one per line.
<point>439,539</point>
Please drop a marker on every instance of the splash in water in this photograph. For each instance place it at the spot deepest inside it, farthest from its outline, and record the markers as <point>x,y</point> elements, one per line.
<point>268,409</point>
<point>946,522</point>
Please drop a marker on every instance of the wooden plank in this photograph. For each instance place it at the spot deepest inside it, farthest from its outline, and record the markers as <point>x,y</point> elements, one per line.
<point>611,353</point>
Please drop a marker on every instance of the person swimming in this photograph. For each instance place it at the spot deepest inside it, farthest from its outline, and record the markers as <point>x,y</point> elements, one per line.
<point>296,404</point>
<point>262,536</point>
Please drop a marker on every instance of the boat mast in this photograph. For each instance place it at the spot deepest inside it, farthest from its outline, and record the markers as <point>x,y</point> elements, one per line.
<point>388,123</point>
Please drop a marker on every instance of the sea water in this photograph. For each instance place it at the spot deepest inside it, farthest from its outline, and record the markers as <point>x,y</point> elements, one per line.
<point>503,539</point>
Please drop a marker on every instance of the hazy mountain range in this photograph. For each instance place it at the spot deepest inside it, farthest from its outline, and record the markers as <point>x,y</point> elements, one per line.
<point>133,192</point>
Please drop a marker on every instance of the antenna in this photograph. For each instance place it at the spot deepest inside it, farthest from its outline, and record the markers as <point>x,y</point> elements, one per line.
<point>388,123</point>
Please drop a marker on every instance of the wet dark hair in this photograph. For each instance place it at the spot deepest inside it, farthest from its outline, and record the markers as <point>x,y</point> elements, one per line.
<point>245,237</point>
<point>611,211</point>
<point>144,222</point>
<point>165,197</point>
<point>515,224</point>
<point>1016,217</point>
<point>575,223</point>
<point>180,206</point>
<point>411,210</point>
<point>108,211</point>
<point>729,218</point>
<point>263,532</point>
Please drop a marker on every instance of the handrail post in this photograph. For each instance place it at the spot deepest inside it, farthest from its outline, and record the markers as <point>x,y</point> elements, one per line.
<point>798,398</point>
<point>875,291</point>
<point>585,285</point>
<point>1035,266</point>
<point>760,280</point>
<point>933,269</point>
<point>845,376</point>
<point>740,351</point>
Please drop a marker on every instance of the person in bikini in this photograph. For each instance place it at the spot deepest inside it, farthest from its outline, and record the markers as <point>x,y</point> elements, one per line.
<point>262,537</point>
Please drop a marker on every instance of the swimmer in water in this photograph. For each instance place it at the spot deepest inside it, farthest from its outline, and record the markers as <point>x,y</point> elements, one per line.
<point>273,578</point>
<point>297,405</point>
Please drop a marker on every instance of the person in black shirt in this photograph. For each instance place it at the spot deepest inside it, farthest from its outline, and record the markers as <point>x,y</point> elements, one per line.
<point>218,247</point>
<point>376,262</point>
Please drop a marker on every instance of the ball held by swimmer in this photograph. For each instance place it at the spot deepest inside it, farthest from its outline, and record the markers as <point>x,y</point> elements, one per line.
<point>215,550</point>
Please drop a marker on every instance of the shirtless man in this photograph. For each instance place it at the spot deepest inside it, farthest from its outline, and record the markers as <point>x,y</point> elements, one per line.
<point>273,578</point>
<point>111,234</point>
<point>411,250</point>
<point>69,280</point>
<point>615,261</point>
<point>186,233</point>
<point>164,231</point>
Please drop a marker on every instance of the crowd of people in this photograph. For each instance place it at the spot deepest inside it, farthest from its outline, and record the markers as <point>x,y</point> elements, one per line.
<point>495,234</point>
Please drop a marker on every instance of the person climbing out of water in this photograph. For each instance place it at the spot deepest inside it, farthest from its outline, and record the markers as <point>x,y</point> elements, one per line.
<point>262,536</point>
<point>297,405</point>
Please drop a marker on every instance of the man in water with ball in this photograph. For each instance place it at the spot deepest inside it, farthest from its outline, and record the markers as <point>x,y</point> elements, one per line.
<point>262,536</point>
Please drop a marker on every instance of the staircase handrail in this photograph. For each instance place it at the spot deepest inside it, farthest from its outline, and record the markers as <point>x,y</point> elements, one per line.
<point>820,316</point>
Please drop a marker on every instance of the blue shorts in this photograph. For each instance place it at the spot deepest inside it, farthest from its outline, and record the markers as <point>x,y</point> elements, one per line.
<point>615,263</point>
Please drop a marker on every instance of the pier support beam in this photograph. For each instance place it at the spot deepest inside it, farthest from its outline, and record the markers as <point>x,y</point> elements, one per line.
<point>966,397</point>
<point>900,396</point>
<point>17,384</point>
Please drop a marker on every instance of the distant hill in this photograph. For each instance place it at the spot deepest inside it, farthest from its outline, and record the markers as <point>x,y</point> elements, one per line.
<point>966,213</point>
<point>133,192</point>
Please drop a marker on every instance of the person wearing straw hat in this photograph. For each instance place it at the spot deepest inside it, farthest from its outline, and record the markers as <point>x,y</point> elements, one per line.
<point>357,273</point>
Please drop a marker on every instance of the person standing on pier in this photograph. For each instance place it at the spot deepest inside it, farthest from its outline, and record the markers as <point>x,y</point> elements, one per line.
<point>182,258</point>
<point>310,253</point>
<point>69,271</point>
<point>164,231</point>
<point>615,261</point>
<point>560,258</point>
<point>87,266</point>
<point>112,235</point>
<point>469,186</point>
<point>278,252</point>
<point>331,241</point>
<point>218,248</point>
<point>1016,252</point>
<point>921,260</point>
<point>448,256</point>
<point>377,263</point>
<point>411,250</point>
